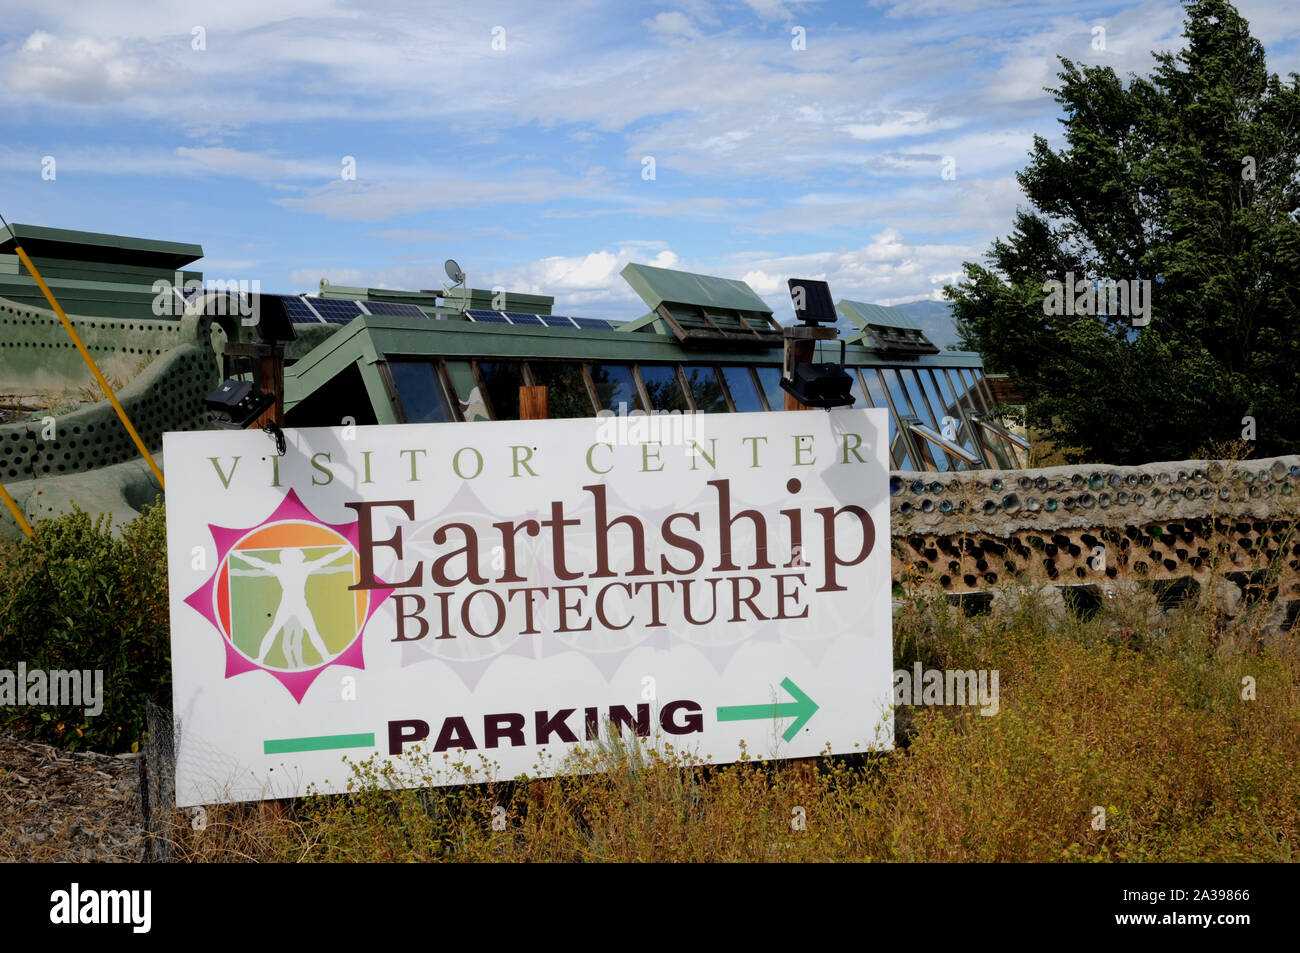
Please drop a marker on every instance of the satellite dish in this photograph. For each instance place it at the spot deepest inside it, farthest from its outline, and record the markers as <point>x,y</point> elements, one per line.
<point>453,271</point>
<point>324,282</point>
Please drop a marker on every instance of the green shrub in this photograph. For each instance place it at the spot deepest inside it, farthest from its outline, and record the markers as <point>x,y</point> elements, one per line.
<point>76,597</point>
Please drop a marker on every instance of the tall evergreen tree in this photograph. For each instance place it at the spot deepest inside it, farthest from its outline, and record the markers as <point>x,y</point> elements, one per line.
<point>1187,179</point>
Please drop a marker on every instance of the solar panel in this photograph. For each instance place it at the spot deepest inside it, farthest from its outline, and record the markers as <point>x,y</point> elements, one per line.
<point>518,317</point>
<point>298,311</point>
<point>593,324</point>
<point>394,308</point>
<point>556,320</point>
<point>487,317</point>
<point>812,301</point>
<point>335,310</point>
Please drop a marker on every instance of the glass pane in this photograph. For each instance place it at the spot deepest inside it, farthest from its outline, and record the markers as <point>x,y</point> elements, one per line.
<point>902,460</point>
<point>959,387</point>
<point>856,388</point>
<point>420,391</point>
<point>918,400</point>
<point>945,391</point>
<point>899,457</point>
<point>922,409</point>
<point>566,389</point>
<point>876,393</point>
<point>940,412</point>
<point>706,390</point>
<point>662,387</point>
<point>769,378</point>
<point>502,380</point>
<point>614,386</point>
<point>982,388</point>
<point>953,409</point>
<point>467,395</point>
<point>744,394</point>
<point>901,403</point>
<point>932,397</point>
<point>970,397</point>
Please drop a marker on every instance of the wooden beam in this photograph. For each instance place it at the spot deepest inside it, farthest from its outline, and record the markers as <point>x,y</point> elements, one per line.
<point>803,354</point>
<point>532,403</point>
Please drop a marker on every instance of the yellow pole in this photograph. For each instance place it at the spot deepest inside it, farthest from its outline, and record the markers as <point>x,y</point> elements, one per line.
<point>13,508</point>
<point>94,368</point>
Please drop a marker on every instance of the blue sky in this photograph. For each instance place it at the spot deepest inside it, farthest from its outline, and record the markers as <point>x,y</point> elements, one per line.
<point>527,162</point>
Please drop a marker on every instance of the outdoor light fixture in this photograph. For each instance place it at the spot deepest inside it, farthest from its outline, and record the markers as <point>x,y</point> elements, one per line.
<point>236,404</point>
<point>813,385</point>
<point>820,385</point>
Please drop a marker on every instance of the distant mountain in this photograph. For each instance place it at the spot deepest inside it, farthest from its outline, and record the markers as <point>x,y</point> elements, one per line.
<point>935,319</point>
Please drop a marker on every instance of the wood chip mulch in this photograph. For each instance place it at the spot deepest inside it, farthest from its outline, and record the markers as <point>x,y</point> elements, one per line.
<point>58,805</point>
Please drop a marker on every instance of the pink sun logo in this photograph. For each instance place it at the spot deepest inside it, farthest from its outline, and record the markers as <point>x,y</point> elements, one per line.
<point>281,596</point>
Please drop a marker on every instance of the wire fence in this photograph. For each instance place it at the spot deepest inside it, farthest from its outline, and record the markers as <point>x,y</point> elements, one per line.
<point>158,782</point>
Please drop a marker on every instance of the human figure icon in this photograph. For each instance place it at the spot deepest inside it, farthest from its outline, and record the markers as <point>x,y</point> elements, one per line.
<point>293,614</point>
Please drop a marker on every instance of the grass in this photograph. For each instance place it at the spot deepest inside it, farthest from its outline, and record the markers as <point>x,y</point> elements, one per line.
<point>1155,731</point>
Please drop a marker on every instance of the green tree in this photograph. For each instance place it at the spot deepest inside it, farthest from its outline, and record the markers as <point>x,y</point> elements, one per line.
<point>1187,179</point>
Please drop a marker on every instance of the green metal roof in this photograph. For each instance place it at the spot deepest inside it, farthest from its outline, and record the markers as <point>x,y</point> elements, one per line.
<point>41,242</point>
<point>860,313</point>
<point>658,286</point>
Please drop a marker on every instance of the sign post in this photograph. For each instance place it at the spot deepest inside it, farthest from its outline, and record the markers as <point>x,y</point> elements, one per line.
<point>517,589</point>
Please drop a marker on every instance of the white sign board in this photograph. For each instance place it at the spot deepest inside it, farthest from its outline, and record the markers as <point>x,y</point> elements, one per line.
<point>511,589</point>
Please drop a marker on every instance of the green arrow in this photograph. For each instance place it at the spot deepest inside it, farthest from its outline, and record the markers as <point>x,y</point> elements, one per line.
<point>801,709</point>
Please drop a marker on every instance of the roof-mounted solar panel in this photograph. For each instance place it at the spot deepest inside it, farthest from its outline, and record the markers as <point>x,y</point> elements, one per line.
<point>519,317</point>
<point>335,310</point>
<point>299,310</point>
<point>486,317</point>
<point>523,318</point>
<point>812,301</point>
<point>592,324</point>
<point>394,308</point>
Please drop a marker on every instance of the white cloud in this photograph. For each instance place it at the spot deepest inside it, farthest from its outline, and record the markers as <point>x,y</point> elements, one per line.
<point>255,165</point>
<point>374,201</point>
<point>898,124</point>
<point>777,9</point>
<point>84,70</point>
<point>672,25</point>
